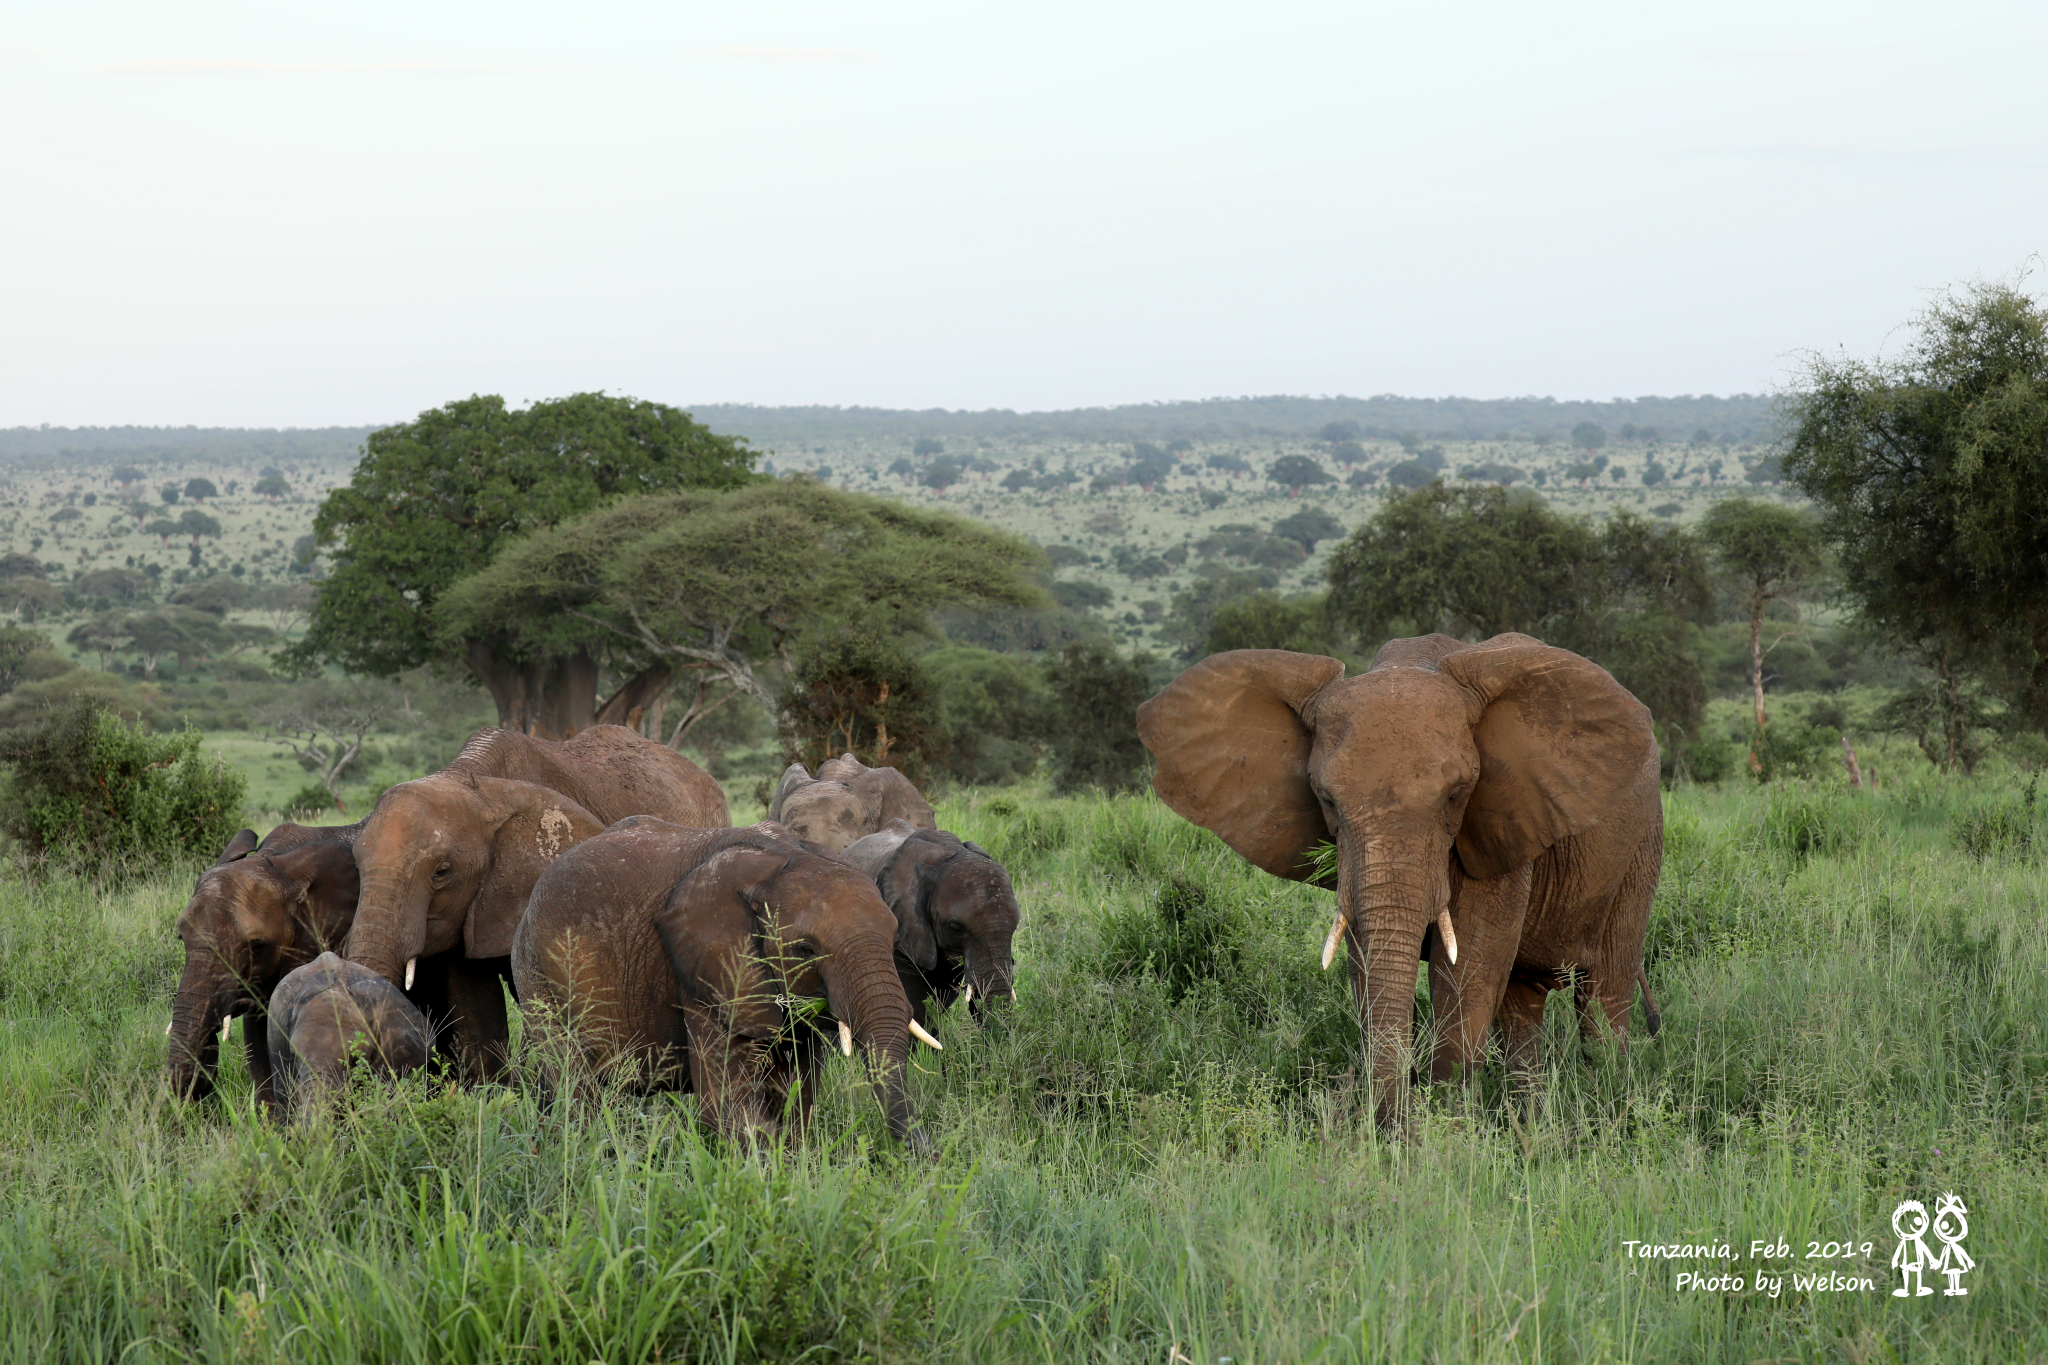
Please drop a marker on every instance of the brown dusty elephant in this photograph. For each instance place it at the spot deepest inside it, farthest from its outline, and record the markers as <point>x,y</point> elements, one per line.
<point>327,1014</point>
<point>847,800</point>
<point>265,909</point>
<point>1494,807</point>
<point>676,954</point>
<point>447,860</point>
<point>955,915</point>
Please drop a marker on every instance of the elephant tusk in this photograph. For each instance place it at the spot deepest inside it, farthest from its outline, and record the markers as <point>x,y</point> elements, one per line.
<point>1330,943</point>
<point>226,1024</point>
<point>969,999</point>
<point>169,1026</point>
<point>917,1031</point>
<point>410,963</point>
<point>845,1038</point>
<point>1443,925</point>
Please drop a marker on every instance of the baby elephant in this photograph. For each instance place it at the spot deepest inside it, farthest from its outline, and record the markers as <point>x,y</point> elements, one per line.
<point>955,915</point>
<point>331,1011</point>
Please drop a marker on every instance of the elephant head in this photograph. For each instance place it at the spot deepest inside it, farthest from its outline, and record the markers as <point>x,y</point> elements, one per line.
<point>449,860</point>
<point>761,920</point>
<point>955,913</point>
<point>1484,755</point>
<point>846,801</point>
<point>327,1014</point>
<point>257,913</point>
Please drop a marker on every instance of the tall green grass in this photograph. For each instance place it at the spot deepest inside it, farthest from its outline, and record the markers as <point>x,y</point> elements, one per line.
<point>1159,1147</point>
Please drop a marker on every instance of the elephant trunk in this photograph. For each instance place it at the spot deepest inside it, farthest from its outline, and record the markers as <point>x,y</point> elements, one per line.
<point>196,1014</point>
<point>991,977</point>
<point>1388,905</point>
<point>377,939</point>
<point>868,995</point>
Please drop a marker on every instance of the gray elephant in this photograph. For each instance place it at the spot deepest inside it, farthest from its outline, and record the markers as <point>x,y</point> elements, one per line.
<point>846,801</point>
<point>1495,810</point>
<point>676,958</point>
<point>955,915</point>
<point>327,1014</point>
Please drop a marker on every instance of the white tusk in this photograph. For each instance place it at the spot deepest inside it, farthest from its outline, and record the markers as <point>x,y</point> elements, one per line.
<point>168,1026</point>
<point>1330,943</point>
<point>1443,925</point>
<point>226,1024</point>
<point>917,1031</point>
<point>410,963</point>
<point>969,998</point>
<point>845,1038</point>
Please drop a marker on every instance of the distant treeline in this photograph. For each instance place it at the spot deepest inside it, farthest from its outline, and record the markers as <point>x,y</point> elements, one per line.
<point>61,446</point>
<point>1738,417</point>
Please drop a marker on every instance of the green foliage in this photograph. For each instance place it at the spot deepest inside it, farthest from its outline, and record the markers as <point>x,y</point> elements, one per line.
<point>1951,721</point>
<point>1589,436</point>
<point>1095,743</point>
<point>860,692</point>
<point>2005,830</point>
<point>1806,824</point>
<point>1178,934</point>
<point>1298,471</point>
<point>1790,748</point>
<point>1308,527</point>
<point>311,801</point>
<point>994,713</point>
<point>1266,620</point>
<point>1193,612</point>
<point>1411,474</point>
<point>1491,471</point>
<point>433,499</point>
<point>1928,473</point>
<point>90,792</point>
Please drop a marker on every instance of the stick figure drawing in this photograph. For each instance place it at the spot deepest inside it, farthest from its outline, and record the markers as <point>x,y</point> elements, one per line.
<point>1909,1221</point>
<point>1951,1226</point>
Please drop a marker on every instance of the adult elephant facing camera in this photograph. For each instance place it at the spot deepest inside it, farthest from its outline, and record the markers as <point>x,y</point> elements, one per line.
<point>1495,810</point>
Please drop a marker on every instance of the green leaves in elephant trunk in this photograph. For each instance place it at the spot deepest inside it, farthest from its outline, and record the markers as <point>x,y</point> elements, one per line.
<point>864,991</point>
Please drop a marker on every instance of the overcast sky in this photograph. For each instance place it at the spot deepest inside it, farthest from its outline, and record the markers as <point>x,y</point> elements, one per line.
<point>272,214</point>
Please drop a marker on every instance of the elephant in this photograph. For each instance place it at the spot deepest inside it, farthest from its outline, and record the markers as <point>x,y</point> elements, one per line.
<point>329,1012</point>
<point>448,859</point>
<point>677,955</point>
<point>846,801</point>
<point>264,909</point>
<point>1495,811</point>
<point>955,915</point>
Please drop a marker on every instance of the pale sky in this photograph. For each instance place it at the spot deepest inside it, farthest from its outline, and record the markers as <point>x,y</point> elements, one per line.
<point>271,214</point>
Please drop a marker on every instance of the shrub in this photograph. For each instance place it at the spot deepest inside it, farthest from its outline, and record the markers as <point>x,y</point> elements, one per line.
<point>1790,749</point>
<point>1179,933</point>
<point>1098,696</point>
<point>1806,825</point>
<point>93,793</point>
<point>2003,831</point>
<point>858,692</point>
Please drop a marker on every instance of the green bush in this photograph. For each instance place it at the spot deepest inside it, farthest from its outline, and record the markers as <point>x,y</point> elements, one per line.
<point>1711,756</point>
<point>1098,694</point>
<point>1999,831</point>
<point>91,792</point>
<point>1791,749</point>
<point>1807,824</point>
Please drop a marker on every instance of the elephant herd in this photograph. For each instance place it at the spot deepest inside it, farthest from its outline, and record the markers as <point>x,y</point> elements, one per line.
<point>1494,810</point>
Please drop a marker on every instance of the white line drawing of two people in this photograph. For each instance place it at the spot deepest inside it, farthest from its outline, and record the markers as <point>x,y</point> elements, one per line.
<point>1913,1260</point>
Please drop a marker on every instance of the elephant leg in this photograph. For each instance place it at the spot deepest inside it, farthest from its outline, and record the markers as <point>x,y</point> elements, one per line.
<point>1521,1026</point>
<point>1464,997</point>
<point>256,1042</point>
<point>476,1016</point>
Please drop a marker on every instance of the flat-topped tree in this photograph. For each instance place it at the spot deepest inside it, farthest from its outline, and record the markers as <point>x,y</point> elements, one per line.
<point>726,583</point>
<point>434,499</point>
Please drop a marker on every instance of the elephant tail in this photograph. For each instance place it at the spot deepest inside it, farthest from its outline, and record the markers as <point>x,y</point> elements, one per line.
<point>1654,1020</point>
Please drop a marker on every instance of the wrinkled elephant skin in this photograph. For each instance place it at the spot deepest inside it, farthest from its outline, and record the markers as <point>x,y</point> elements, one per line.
<point>956,915</point>
<point>846,801</point>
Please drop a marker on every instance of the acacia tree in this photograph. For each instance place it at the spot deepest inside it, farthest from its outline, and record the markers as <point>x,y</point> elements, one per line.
<point>1931,474</point>
<point>1767,554</point>
<point>324,723</point>
<point>731,581</point>
<point>435,498</point>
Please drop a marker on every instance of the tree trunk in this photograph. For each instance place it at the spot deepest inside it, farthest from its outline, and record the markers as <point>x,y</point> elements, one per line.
<point>645,689</point>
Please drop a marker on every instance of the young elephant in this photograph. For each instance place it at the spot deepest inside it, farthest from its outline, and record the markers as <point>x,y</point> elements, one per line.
<point>1501,798</point>
<point>329,1012</point>
<point>846,801</point>
<point>674,952</point>
<point>955,915</point>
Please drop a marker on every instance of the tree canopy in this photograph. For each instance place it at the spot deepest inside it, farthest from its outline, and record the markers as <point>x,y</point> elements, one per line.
<point>1768,553</point>
<point>732,580</point>
<point>1931,474</point>
<point>434,498</point>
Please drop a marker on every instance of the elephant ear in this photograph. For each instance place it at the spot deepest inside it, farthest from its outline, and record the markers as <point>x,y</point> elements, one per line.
<point>905,884</point>
<point>1559,742</point>
<point>240,846</point>
<point>872,852</point>
<point>327,884</point>
<point>1233,747</point>
<point>535,826</point>
<point>794,776</point>
<point>707,929</point>
<point>893,796</point>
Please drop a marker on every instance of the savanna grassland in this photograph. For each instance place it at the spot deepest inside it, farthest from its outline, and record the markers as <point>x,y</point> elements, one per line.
<point>1158,1150</point>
